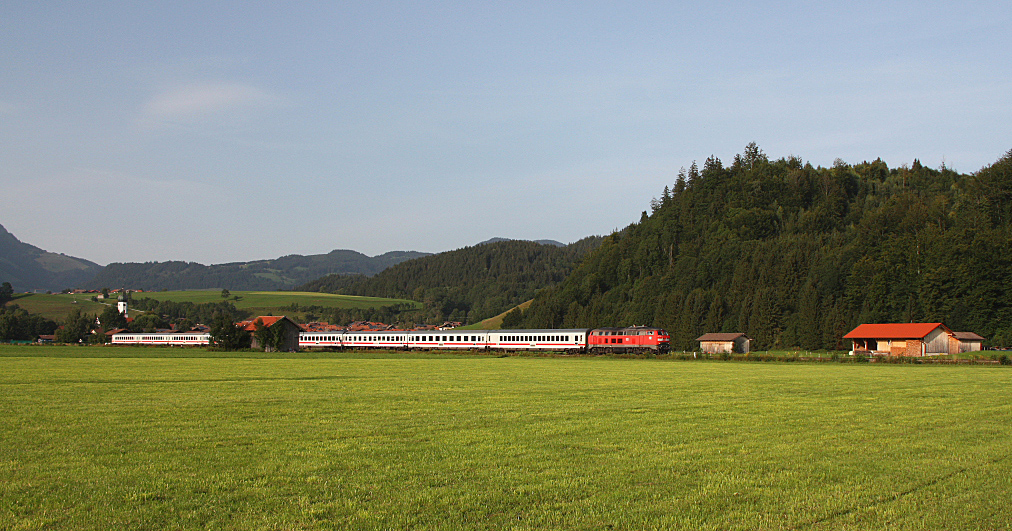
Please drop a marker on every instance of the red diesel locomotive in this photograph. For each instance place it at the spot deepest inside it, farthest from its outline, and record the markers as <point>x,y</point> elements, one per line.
<point>629,339</point>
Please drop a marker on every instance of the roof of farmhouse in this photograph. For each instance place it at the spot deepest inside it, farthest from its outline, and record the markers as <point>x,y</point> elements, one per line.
<point>729,336</point>
<point>893,330</point>
<point>267,320</point>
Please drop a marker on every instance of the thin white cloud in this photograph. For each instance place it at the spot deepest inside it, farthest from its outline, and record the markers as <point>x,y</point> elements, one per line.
<point>198,100</point>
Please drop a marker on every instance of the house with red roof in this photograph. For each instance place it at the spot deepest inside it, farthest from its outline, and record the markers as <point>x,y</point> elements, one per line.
<point>903,339</point>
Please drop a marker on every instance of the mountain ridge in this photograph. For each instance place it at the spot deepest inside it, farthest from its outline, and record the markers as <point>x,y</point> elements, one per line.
<point>29,268</point>
<point>271,274</point>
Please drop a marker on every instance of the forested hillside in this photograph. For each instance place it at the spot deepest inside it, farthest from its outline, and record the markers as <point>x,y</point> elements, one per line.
<point>796,255</point>
<point>280,273</point>
<point>468,284</point>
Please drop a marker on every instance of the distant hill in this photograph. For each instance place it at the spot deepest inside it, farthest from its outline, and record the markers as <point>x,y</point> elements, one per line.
<point>29,268</point>
<point>281,273</point>
<point>469,284</point>
<point>542,242</point>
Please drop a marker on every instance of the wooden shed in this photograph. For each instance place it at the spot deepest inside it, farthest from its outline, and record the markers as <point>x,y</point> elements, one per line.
<point>969,342</point>
<point>903,339</point>
<point>720,343</point>
<point>289,328</point>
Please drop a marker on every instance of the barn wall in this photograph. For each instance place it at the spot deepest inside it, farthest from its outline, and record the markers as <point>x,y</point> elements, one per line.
<point>937,342</point>
<point>970,346</point>
<point>716,347</point>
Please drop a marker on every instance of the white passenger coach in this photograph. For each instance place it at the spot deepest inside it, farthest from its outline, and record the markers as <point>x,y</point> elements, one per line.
<point>572,339</point>
<point>174,339</point>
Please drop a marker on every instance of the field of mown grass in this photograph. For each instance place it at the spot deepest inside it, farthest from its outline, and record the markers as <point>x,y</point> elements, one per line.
<point>58,306</point>
<point>420,441</point>
<point>495,323</point>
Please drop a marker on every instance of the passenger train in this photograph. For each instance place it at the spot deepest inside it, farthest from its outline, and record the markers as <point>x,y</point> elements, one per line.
<point>576,340</point>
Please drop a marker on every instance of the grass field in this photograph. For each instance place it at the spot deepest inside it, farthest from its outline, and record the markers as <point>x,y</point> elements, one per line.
<point>57,306</point>
<point>100,438</point>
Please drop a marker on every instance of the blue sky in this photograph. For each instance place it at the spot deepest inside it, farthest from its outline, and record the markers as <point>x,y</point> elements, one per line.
<point>217,132</point>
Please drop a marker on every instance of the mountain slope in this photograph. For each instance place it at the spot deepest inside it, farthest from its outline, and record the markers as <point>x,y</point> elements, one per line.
<point>794,255</point>
<point>468,284</point>
<point>28,268</point>
<point>281,273</point>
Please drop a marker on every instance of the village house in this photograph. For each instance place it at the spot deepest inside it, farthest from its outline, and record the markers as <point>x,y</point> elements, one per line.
<point>721,343</point>
<point>903,339</point>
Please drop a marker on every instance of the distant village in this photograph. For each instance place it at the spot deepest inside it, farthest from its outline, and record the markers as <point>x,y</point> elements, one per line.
<point>313,326</point>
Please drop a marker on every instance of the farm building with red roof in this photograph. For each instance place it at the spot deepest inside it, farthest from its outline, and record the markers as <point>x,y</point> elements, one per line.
<point>904,339</point>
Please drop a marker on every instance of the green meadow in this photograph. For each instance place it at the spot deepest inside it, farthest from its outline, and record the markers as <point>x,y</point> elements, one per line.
<point>102,438</point>
<point>58,306</point>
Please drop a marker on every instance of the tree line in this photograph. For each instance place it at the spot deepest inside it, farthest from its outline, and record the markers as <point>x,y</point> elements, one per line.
<point>796,256</point>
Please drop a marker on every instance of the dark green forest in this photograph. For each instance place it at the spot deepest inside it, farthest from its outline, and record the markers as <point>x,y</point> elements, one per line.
<point>468,284</point>
<point>796,256</point>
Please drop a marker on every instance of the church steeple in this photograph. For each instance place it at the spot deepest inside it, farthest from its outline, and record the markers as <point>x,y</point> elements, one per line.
<point>121,303</point>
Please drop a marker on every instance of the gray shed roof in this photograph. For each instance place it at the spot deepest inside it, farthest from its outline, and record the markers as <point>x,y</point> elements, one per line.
<point>729,336</point>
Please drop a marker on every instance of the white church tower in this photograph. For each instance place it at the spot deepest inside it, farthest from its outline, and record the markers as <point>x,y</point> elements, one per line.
<point>121,303</point>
